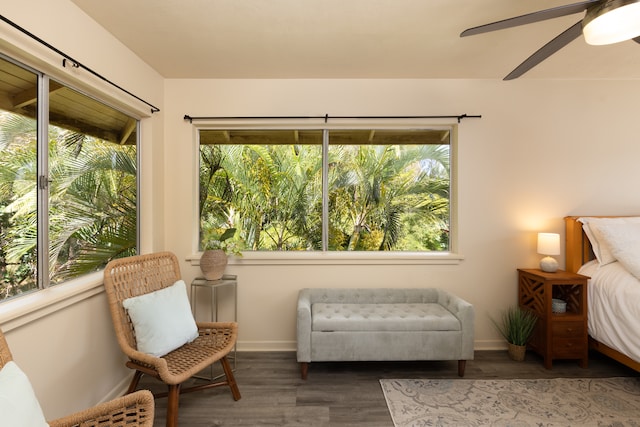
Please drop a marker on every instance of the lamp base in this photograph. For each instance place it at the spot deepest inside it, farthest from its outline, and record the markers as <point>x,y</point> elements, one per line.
<point>549,264</point>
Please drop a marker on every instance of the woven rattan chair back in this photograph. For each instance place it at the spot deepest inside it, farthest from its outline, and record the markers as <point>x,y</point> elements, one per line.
<point>142,274</point>
<point>133,276</point>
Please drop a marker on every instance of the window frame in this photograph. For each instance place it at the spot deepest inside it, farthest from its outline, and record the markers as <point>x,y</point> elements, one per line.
<point>85,284</point>
<point>452,256</point>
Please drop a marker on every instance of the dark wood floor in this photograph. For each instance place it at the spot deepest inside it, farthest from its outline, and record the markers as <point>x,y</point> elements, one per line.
<point>343,394</point>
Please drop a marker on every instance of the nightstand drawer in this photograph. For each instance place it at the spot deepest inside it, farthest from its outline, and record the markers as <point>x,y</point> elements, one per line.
<point>568,330</point>
<point>568,347</point>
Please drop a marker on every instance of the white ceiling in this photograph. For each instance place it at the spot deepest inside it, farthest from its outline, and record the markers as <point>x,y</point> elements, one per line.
<point>351,39</point>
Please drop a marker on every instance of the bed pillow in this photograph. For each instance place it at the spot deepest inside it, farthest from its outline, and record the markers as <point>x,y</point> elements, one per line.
<point>592,228</point>
<point>162,319</point>
<point>595,246</point>
<point>624,242</point>
<point>18,403</point>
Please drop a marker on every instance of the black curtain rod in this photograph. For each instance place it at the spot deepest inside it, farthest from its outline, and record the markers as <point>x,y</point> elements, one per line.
<point>326,117</point>
<point>74,63</point>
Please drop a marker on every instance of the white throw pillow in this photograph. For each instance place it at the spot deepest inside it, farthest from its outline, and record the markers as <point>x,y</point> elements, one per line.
<point>18,403</point>
<point>162,319</point>
<point>624,242</point>
<point>592,228</point>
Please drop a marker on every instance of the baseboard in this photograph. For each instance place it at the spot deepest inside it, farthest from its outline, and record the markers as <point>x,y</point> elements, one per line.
<point>267,346</point>
<point>120,389</point>
<point>482,345</point>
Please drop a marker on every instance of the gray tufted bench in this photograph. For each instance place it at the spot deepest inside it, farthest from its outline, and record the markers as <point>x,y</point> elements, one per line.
<point>383,324</point>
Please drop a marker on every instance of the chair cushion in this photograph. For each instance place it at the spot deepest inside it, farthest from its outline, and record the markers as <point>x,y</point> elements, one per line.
<point>382,317</point>
<point>18,403</point>
<point>162,319</point>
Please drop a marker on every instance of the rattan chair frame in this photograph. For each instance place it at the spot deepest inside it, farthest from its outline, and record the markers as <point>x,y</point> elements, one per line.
<point>135,409</point>
<point>141,274</point>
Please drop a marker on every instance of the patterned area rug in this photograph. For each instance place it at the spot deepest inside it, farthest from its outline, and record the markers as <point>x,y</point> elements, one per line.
<point>517,403</point>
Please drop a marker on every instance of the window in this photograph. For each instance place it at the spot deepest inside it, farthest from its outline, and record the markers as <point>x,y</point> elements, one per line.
<point>68,186</point>
<point>327,189</point>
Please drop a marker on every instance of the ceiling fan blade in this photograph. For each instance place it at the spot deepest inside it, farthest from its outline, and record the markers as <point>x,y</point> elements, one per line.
<point>530,18</point>
<point>547,50</point>
<point>637,39</point>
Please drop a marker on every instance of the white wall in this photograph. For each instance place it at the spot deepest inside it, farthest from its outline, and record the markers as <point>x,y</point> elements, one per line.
<point>542,150</point>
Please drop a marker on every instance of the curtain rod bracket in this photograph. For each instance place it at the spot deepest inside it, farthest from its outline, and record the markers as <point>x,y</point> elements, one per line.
<point>74,64</point>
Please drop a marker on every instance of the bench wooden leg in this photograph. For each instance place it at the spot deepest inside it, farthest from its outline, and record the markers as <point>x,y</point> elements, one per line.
<point>461,365</point>
<point>304,370</point>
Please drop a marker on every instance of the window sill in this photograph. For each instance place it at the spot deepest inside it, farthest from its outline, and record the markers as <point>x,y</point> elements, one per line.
<point>339,258</point>
<point>23,309</point>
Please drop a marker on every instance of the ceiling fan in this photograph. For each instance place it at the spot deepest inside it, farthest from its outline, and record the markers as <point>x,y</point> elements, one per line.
<point>605,22</point>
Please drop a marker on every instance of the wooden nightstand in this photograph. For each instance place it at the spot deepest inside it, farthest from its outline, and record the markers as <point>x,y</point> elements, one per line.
<point>557,335</point>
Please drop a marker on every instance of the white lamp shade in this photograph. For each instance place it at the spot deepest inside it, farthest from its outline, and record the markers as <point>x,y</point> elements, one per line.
<point>548,243</point>
<point>612,21</point>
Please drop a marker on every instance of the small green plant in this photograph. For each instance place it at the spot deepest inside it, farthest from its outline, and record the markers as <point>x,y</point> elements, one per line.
<point>516,325</point>
<point>214,239</point>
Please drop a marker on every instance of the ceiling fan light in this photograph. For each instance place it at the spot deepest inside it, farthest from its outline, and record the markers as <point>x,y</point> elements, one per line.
<point>612,21</point>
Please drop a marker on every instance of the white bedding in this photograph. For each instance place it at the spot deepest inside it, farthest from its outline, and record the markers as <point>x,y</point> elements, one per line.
<point>614,307</point>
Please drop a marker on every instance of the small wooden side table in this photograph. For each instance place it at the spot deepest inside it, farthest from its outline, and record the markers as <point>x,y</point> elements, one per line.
<point>557,335</point>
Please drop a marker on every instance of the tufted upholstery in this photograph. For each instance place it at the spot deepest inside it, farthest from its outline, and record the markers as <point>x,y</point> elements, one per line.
<point>382,317</point>
<point>383,324</point>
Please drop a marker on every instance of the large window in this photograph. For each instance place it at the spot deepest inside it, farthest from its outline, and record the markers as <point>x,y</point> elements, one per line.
<point>327,190</point>
<point>68,186</point>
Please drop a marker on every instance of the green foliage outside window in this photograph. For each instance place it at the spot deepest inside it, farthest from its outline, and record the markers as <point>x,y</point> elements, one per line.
<point>92,204</point>
<point>68,181</point>
<point>381,197</point>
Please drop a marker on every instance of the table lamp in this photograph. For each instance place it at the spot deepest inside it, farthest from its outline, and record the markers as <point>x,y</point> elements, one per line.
<point>548,244</point>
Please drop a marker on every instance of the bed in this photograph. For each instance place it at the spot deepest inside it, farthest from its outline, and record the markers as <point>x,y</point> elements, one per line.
<point>608,251</point>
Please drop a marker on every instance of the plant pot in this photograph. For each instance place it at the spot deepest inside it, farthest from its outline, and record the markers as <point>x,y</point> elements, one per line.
<point>213,263</point>
<point>517,352</point>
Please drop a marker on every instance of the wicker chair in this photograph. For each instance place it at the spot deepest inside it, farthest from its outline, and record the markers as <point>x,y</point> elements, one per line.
<point>138,275</point>
<point>135,409</point>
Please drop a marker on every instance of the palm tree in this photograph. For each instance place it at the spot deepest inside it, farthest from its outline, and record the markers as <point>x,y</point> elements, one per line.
<point>264,191</point>
<point>376,188</point>
<point>92,199</point>
<point>18,147</point>
<point>381,197</point>
<point>293,190</point>
<point>93,212</point>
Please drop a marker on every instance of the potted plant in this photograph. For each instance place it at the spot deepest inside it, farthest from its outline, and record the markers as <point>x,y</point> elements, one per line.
<point>516,326</point>
<point>216,248</point>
